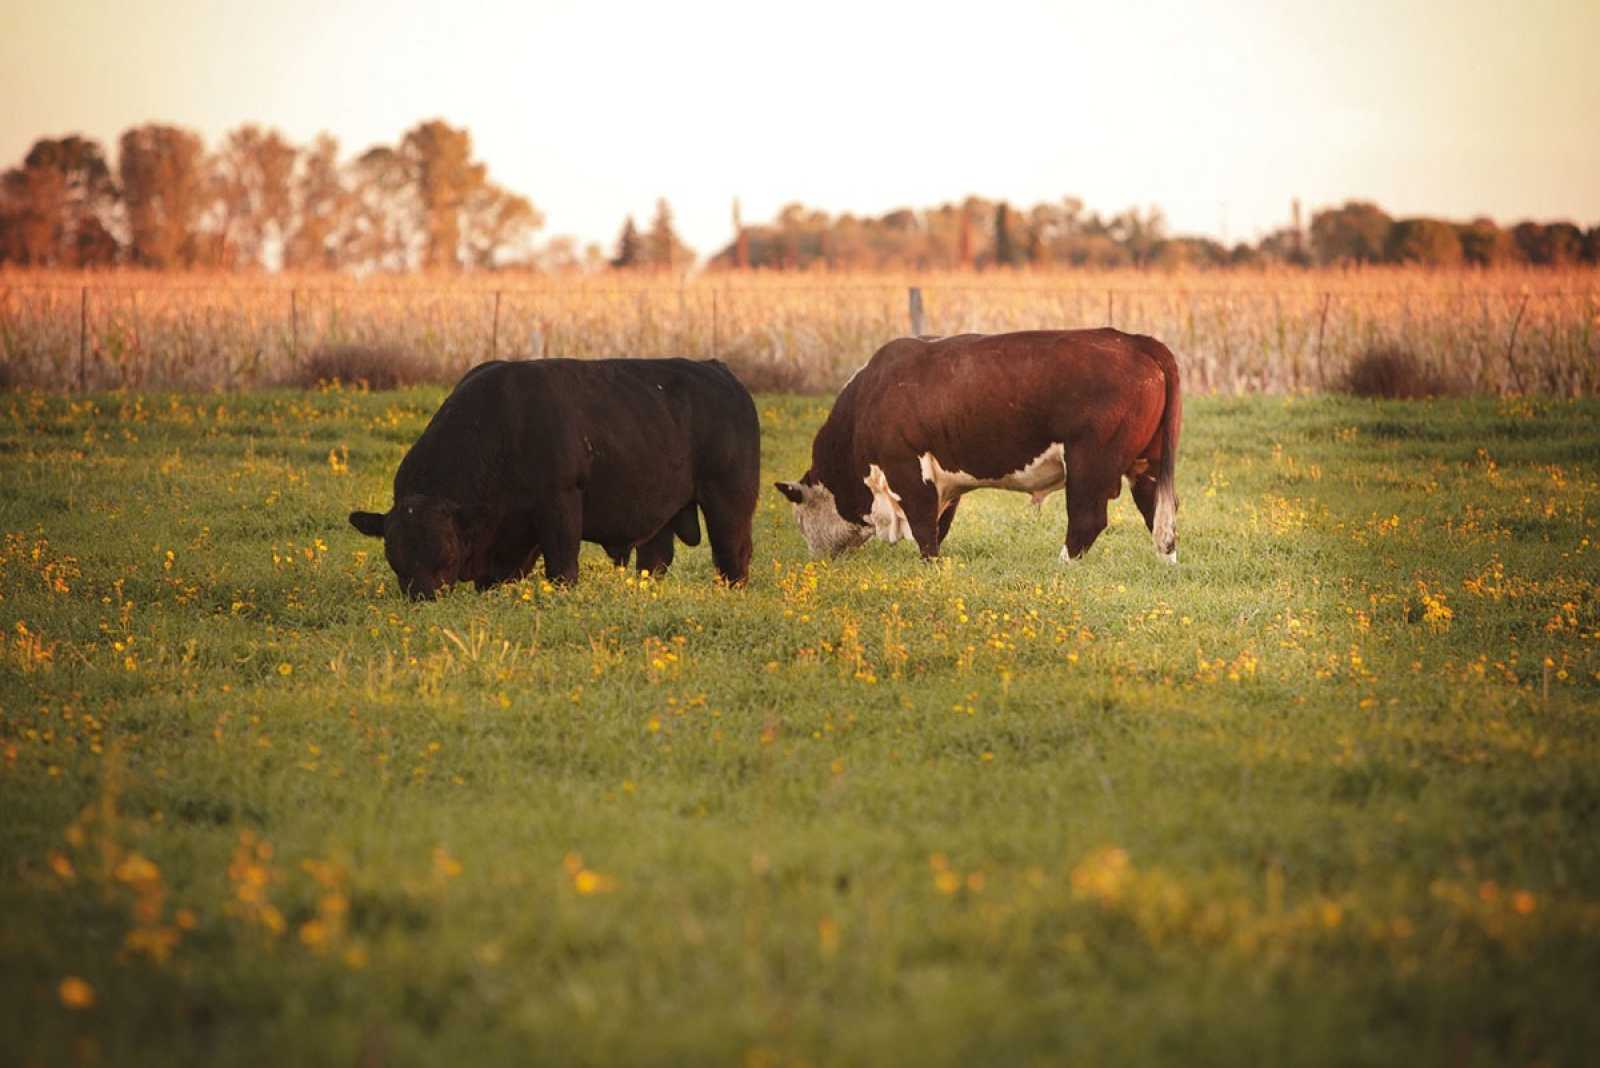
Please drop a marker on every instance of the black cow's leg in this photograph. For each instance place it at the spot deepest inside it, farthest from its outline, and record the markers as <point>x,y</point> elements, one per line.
<point>728,511</point>
<point>1087,497</point>
<point>514,552</point>
<point>619,554</point>
<point>560,521</point>
<point>655,555</point>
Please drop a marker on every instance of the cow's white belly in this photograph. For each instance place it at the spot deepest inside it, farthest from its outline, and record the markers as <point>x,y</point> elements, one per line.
<point>1043,474</point>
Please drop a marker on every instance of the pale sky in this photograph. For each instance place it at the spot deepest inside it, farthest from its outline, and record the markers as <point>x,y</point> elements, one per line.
<point>1218,113</point>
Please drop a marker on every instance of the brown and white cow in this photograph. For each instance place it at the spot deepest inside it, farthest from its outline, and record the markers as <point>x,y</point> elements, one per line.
<point>926,421</point>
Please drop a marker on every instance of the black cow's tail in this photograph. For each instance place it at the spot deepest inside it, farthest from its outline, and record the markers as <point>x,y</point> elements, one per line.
<point>1164,527</point>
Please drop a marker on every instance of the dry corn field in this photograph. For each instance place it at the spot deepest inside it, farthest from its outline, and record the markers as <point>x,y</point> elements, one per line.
<point>1525,331</point>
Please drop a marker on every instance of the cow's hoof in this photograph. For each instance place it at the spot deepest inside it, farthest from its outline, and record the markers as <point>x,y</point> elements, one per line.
<point>1066,557</point>
<point>1171,558</point>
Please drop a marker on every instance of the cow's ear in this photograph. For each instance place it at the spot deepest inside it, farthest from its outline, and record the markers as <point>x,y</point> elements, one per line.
<point>792,490</point>
<point>369,523</point>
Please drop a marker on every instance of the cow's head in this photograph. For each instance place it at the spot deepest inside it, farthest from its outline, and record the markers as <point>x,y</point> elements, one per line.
<point>827,533</point>
<point>423,540</point>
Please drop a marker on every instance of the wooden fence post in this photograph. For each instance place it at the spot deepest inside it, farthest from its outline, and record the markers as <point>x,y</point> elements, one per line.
<point>1511,344</point>
<point>1111,308</point>
<point>83,341</point>
<point>916,311</point>
<point>1322,379</point>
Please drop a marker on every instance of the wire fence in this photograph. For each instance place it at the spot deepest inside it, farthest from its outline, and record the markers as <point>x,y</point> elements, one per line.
<point>94,336</point>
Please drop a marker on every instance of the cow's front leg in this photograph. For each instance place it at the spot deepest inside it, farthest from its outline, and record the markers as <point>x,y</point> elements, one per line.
<point>727,506</point>
<point>560,522</point>
<point>1144,495</point>
<point>919,502</point>
<point>655,555</point>
<point>513,553</point>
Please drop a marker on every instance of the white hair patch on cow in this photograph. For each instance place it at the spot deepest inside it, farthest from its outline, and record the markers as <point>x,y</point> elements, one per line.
<point>889,522</point>
<point>1039,477</point>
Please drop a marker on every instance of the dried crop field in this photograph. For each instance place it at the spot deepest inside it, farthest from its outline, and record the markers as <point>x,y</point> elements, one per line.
<point>1520,331</point>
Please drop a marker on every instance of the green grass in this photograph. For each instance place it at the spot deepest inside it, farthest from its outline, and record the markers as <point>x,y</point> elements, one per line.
<point>1311,797</point>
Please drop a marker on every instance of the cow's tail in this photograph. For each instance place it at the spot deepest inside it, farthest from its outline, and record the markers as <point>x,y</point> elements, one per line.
<point>1164,527</point>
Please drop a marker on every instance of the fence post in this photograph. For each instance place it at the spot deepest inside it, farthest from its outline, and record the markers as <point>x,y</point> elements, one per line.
<point>83,341</point>
<point>1322,379</point>
<point>1111,308</point>
<point>916,311</point>
<point>1511,344</point>
<point>494,330</point>
<point>294,328</point>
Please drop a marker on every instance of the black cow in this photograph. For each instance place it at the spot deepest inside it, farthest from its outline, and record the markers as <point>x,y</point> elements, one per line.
<point>928,420</point>
<point>534,456</point>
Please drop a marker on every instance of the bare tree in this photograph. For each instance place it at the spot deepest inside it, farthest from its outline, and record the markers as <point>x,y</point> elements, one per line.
<point>385,231</point>
<point>498,227</point>
<point>321,210</point>
<point>252,178</point>
<point>163,188</point>
<point>58,208</point>
<point>439,159</point>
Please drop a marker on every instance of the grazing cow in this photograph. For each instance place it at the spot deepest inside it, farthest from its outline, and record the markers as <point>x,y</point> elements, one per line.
<point>534,456</point>
<point>925,421</point>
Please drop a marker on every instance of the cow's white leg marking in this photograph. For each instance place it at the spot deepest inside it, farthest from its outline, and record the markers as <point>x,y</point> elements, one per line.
<point>1065,558</point>
<point>1164,528</point>
<point>888,519</point>
<point>1171,558</point>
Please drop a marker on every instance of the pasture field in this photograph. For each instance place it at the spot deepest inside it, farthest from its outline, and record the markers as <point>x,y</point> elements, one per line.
<point>1326,793</point>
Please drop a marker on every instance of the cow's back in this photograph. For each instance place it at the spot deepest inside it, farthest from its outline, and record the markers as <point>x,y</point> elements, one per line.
<point>988,404</point>
<point>634,428</point>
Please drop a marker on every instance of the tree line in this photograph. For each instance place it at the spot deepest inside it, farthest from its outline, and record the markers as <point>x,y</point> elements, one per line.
<point>984,233</point>
<point>258,201</point>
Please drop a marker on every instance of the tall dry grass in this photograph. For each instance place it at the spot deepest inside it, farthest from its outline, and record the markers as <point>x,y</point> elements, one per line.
<point>1515,331</point>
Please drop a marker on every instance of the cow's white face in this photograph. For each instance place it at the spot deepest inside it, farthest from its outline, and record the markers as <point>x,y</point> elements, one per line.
<point>827,533</point>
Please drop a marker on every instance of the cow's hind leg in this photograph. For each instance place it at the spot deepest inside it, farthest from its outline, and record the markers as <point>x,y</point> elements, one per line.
<point>1088,492</point>
<point>560,523</point>
<point>1144,495</point>
<point>655,555</point>
<point>728,512</point>
<point>945,519</point>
